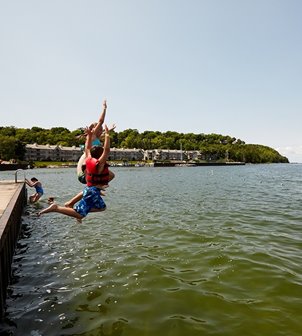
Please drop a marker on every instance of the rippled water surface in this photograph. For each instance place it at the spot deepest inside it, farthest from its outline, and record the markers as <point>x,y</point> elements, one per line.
<point>179,251</point>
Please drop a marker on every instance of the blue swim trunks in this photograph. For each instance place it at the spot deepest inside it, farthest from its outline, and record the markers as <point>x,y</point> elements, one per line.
<point>91,200</point>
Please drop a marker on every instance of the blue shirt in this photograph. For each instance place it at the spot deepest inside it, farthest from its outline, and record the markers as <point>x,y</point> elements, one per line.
<point>39,190</point>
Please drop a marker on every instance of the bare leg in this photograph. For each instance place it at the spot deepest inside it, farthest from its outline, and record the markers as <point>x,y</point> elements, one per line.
<point>74,200</point>
<point>31,198</point>
<point>63,210</point>
<point>77,198</point>
<point>36,197</point>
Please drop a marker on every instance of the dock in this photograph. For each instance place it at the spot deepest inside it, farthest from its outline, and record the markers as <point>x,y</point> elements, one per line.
<point>12,201</point>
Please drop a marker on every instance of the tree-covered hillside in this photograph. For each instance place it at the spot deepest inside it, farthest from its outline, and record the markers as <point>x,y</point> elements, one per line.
<point>13,141</point>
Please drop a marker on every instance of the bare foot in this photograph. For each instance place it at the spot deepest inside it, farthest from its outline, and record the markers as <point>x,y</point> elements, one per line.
<point>79,221</point>
<point>52,208</point>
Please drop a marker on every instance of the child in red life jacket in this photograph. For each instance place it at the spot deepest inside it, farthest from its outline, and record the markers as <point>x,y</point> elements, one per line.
<point>107,175</point>
<point>92,201</point>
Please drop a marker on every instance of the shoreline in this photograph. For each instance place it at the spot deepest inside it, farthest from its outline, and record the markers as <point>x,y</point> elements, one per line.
<point>10,167</point>
<point>14,167</point>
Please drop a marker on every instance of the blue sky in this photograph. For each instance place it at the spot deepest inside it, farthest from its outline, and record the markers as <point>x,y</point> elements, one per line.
<point>231,67</point>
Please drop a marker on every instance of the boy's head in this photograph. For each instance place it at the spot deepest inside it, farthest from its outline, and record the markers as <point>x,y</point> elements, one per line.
<point>33,179</point>
<point>50,200</point>
<point>96,151</point>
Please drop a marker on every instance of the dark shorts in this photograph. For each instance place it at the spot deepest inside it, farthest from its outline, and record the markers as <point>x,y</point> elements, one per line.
<point>82,178</point>
<point>91,200</point>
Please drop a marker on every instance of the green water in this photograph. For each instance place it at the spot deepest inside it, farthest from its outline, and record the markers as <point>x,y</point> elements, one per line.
<point>179,251</point>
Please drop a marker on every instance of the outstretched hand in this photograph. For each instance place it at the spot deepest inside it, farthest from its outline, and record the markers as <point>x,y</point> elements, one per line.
<point>105,104</point>
<point>112,127</point>
<point>88,131</point>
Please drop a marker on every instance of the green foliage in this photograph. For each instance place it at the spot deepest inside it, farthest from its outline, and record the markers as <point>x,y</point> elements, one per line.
<point>11,148</point>
<point>212,146</point>
<point>8,131</point>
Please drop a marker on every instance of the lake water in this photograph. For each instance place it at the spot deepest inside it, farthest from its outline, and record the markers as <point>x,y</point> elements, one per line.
<point>179,251</point>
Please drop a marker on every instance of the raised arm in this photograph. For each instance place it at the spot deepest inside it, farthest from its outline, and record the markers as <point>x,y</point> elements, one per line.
<point>99,126</point>
<point>111,128</point>
<point>103,158</point>
<point>88,142</point>
<point>29,183</point>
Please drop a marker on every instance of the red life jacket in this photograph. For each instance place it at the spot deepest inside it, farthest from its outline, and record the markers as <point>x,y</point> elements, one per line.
<point>93,177</point>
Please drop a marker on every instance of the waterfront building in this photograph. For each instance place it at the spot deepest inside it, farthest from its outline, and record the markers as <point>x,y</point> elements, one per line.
<point>36,152</point>
<point>125,154</point>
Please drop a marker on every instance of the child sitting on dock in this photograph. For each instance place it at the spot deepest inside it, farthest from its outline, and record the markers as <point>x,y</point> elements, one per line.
<point>35,183</point>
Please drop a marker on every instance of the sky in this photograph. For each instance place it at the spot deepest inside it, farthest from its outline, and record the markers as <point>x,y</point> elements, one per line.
<point>231,67</point>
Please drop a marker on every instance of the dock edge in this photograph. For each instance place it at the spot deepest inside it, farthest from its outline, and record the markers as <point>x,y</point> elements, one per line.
<point>10,223</point>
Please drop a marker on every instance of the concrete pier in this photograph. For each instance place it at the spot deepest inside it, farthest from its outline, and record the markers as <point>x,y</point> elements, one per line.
<point>12,201</point>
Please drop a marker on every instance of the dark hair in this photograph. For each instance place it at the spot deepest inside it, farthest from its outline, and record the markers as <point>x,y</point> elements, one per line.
<point>33,179</point>
<point>96,151</point>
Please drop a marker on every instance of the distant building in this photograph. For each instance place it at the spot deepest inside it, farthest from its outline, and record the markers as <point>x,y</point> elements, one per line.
<point>121,154</point>
<point>36,152</point>
<point>194,155</point>
<point>171,154</point>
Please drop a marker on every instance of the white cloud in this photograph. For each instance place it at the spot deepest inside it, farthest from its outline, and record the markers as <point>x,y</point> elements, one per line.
<point>292,152</point>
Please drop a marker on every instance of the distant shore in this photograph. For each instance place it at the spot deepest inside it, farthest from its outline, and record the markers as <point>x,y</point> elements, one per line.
<point>183,164</point>
<point>15,166</point>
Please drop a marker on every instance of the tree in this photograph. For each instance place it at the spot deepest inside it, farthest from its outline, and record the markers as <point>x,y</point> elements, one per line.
<point>8,131</point>
<point>212,146</point>
<point>19,150</point>
<point>7,147</point>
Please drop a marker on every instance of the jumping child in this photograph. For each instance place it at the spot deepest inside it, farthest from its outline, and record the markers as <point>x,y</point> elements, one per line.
<point>92,201</point>
<point>35,183</point>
